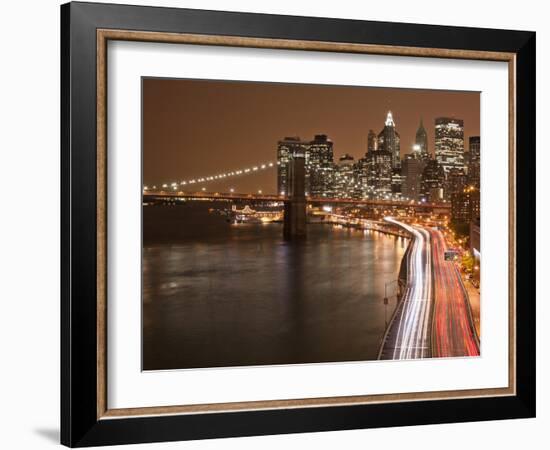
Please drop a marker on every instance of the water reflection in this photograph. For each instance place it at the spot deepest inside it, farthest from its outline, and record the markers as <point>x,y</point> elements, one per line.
<point>216,294</point>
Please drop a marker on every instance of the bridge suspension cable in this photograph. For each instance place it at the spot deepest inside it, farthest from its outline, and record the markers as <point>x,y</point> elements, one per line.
<point>217,177</point>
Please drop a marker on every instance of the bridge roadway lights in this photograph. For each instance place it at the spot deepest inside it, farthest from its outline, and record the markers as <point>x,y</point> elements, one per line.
<point>294,226</point>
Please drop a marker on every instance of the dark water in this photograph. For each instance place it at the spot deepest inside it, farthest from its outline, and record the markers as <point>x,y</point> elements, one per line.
<point>216,294</point>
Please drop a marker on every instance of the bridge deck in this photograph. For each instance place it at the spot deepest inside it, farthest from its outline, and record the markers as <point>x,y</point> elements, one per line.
<point>281,198</point>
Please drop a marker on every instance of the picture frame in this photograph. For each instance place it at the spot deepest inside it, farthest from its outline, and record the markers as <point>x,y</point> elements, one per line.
<point>86,418</point>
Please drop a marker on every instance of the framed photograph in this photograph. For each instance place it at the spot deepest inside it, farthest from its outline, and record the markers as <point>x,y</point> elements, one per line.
<point>276,224</point>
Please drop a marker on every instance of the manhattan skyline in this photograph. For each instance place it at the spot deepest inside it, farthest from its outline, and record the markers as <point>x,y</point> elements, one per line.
<point>198,127</point>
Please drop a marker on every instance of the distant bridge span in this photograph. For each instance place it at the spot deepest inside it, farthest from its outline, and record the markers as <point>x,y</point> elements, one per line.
<point>166,194</point>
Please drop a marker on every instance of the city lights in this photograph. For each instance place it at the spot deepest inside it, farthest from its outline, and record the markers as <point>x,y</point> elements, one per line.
<point>340,203</point>
<point>222,175</point>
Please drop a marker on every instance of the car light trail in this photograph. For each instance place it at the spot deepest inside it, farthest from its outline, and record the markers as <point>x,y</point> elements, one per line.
<point>413,338</point>
<point>453,333</point>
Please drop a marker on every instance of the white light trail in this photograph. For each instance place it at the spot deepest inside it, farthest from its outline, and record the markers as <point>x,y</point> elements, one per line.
<point>412,336</point>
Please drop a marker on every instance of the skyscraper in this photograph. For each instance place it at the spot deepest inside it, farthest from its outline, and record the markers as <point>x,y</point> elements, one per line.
<point>344,179</point>
<point>411,170</point>
<point>320,166</point>
<point>433,181</point>
<point>474,158</point>
<point>465,205</point>
<point>371,141</point>
<point>361,173</point>
<point>396,182</point>
<point>379,172</point>
<point>421,141</point>
<point>389,141</point>
<point>285,149</point>
<point>455,182</point>
<point>449,142</point>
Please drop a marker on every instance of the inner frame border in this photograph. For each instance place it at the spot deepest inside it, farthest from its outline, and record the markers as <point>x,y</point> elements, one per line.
<point>103,36</point>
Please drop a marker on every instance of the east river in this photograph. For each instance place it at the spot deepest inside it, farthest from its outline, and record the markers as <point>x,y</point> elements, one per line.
<point>220,294</point>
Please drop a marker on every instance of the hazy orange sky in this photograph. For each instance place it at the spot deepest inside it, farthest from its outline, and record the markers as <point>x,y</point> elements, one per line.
<point>195,128</point>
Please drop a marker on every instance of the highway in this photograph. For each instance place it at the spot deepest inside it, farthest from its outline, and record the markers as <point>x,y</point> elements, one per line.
<point>433,318</point>
<point>453,333</point>
<point>408,335</point>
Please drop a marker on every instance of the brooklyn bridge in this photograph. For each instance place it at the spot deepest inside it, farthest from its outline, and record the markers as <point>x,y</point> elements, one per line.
<point>295,201</point>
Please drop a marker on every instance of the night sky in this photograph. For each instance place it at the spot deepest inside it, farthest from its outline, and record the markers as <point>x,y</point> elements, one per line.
<point>195,128</point>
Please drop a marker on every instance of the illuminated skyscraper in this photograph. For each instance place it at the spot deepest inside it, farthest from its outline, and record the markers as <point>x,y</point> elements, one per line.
<point>455,182</point>
<point>474,158</point>
<point>389,141</point>
<point>411,169</point>
<point>449,143</point>
<point>344,177</point>
<point>433,182</point>
<point>465,205</point>
<point>371,141</point>
<point>397,182</point>
<point>285,149</point>
<point>320,166</point>
<point>361,170</point>
<point>422,141</point>
<point>379,173</point>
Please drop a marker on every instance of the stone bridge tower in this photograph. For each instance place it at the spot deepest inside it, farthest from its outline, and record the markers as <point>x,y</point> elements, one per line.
<point>295,206</point>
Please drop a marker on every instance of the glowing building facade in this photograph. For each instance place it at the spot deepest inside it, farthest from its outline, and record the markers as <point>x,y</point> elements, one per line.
<point>473,161</point>
<point>449,143</point>
<point>320,166</point>
<point>285,149</point>
<point>389,141</point>
<point>433,182</point>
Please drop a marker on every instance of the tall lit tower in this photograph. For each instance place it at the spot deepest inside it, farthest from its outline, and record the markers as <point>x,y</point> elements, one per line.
<point>389,140</point>
<point>379,173</point>
<point>433,181</point>
<point>473,161</point>
<point>449,143</point>
<point>371,141</point>
<point>344,180</point>
<point>422,140</point>
<point>320,166</point>
<point>285,149</point>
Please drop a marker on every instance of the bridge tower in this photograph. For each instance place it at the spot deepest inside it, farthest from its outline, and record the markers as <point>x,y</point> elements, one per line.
<point>295,206</point>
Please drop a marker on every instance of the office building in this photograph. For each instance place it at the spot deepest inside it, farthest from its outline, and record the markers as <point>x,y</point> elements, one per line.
<point>474,161</point>
<point>379,173</point>
<point>465,205</point>
<point>285,149</point>
<point>421,141</point>
<point>412,168</point>
<point>320,166</point>
<point>455,182</point>
<point>344,179</point>
<point>433,182</point>
<point>389,141</point>
<point>449,143</point>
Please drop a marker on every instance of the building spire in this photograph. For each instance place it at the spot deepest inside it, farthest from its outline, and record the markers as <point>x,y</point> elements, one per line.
<point>389,120</point>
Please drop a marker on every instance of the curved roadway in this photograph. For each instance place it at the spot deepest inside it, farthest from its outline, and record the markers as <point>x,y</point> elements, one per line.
<point>433,318</point>
<point>409,334</point>
<point>453,331</point>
